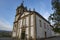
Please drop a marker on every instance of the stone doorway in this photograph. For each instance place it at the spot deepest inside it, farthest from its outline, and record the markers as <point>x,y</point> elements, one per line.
<point>23,35</point>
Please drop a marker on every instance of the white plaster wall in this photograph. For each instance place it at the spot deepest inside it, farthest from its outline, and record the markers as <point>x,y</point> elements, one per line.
<point>53,33</point>
<point>41,30</point>
<point>49,31</point>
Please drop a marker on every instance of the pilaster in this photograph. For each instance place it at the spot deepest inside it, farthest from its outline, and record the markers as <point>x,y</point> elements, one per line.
<point>29,26</point>
<point>34,26</point>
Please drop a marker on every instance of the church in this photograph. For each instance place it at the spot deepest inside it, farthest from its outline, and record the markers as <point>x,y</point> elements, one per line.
<point>30,25</point>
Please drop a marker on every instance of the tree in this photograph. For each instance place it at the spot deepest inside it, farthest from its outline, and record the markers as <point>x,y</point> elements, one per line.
<point>55,17</point>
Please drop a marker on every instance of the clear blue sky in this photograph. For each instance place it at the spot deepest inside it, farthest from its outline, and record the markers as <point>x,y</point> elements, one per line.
<point>8,10</point>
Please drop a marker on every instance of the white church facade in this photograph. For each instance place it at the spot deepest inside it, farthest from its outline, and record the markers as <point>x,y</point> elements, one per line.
<point>30,25</point>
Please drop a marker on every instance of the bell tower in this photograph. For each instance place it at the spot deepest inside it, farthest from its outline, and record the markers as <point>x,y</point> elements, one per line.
<point>20,10</point>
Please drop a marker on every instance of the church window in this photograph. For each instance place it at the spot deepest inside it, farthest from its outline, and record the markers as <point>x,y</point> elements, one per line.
<point>19,10</point>
<point>40,23</point>
<point>47,27</point>
<point>44,25</point>
<point>24,22</point>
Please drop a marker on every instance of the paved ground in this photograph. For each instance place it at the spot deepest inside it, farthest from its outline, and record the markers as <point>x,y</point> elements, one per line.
<point>54,38</point>
<point>5,38</point>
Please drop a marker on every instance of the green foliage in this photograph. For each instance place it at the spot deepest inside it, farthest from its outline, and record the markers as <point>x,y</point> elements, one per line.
<point>56,30</point>
<point>5,34</point>
<point>55,17</point>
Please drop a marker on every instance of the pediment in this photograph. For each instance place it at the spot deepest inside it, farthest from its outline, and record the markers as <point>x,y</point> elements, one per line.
<point>25,13</point>
<point>22,15</point>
